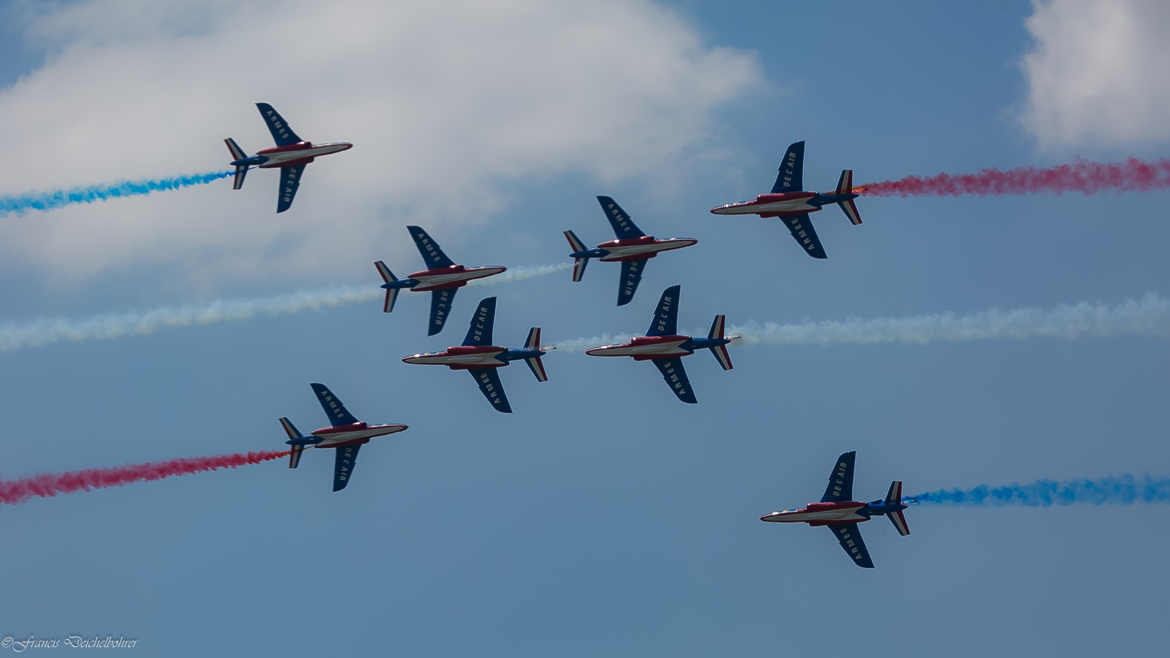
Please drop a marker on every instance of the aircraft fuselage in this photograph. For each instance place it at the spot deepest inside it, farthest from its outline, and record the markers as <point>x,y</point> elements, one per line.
<point>782,204</point>
<point>640,248</point>
<point>472,357</point>
<point>821,514</point>
<point>647,347</point>
<point>355,434</point>
<point>835,513</point>
<point>293,154</point>
<point>455,276</point>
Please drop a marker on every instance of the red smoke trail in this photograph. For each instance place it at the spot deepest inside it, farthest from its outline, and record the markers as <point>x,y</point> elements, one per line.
<point>18,491</point>
<point>1085,177</point>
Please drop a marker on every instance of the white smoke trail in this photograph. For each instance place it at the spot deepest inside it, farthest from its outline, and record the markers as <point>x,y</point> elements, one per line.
<point>1147,316</point>
<point>37,333</point>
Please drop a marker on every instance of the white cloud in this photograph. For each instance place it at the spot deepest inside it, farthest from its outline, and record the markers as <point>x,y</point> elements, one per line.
<point>443,102</point>
<point>1097,72</point>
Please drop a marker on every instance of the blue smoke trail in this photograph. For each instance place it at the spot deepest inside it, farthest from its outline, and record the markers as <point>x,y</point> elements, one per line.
<point>60,198</point>
<point>1115,490</point>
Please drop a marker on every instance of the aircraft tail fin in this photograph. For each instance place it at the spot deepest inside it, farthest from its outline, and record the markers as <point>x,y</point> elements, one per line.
<point>294,457</point>
<point>580,262</point>
<point>845,186</point>
<point>237,154</point>
<point>534,362</point>
<point>720,351</point>
<point>897,518</point>
<point>391,293</point>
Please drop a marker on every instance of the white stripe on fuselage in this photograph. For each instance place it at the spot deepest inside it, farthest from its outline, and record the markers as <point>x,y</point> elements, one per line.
<point>442,359</point>
<point>625,251</point>
<point>333,438</point>
<point>670,348</point>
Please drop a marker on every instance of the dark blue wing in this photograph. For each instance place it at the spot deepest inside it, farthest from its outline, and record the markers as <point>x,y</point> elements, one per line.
<point>791,176</point>
<point>489,382</point>
<point>850,537</point>
<point>665,322</point>
<point>802,231</point>
<point>332,406</point>
<point>631,275</point>
<point>623,226</point>
<point>290,180</point>
<point>432,255</point>
<point>281,132</point>
<point>676,378</point>
<point>440,309</point>
<point>480,331</point>
<point>343,465</point>
<point>841,480</point>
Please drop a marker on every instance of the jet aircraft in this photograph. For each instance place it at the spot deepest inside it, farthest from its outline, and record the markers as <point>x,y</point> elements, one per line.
<point>792,204</point>
<point>478,356</point>
<point>346,434</point>
<point>841,513</point>
<point>291,154</point>
<point>442,278</point>
<point>631,248</point>
<point>665,348</point>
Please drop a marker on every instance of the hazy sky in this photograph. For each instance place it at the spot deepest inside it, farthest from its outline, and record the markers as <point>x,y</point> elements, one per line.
<point>603,516</point>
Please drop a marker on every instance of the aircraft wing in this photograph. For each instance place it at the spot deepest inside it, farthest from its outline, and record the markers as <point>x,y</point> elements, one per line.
<point>623,226</point>
<point>290,180</point>
<point>343,465</point>
<point>850,537</point>
<point>432,255</point>
<point>665,322</point>
<point>480,331</point>
<point>676,378</point>
<point>791,176</point>
<point>282,134</point>
<point>802,231</point>
<point>333,407</point>
<point>841,480</point>
<point>440,309</point>
<point>488,380</point>
<point>631,275</point>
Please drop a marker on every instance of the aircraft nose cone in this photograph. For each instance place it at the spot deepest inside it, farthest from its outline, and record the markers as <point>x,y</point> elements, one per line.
<point>769,515</point>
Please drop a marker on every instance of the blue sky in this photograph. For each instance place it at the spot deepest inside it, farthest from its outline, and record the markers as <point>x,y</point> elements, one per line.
<point>603,516</point>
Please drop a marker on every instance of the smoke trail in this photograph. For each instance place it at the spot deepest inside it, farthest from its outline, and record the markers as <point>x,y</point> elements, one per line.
<point>60,198</point>
<point>1116,490</point>
<point>1085,177</point>
<point>108,326</point>
<point>1147,316</point>
<point>46,485</point>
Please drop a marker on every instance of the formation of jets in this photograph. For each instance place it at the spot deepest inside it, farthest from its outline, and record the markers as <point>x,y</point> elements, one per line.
<point>662,345</point>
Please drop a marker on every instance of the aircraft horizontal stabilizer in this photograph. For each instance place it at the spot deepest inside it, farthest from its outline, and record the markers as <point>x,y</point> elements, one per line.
<point>294,457</point>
